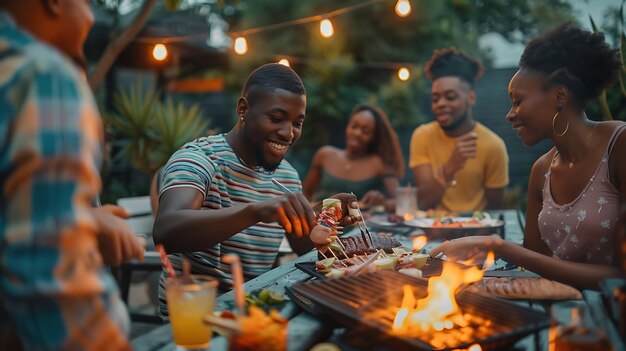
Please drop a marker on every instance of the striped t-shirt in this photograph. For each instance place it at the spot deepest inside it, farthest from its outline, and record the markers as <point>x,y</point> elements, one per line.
<point>211,166</point>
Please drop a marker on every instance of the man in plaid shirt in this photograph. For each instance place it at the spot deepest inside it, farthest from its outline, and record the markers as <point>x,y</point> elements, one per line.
<point>54,290</point>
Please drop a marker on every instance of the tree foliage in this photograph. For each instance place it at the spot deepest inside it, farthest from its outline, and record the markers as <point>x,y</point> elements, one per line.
<point>354,65</point>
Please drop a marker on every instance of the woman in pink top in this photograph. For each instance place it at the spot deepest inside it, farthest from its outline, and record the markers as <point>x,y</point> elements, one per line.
<point>576,188</point>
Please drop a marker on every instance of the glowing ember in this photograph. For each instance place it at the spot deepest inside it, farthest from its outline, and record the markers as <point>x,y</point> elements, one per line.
<point>438,310</point>
<point>419,242</point>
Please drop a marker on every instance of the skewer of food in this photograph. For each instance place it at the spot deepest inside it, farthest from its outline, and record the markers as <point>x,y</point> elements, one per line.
<point>398,259</point>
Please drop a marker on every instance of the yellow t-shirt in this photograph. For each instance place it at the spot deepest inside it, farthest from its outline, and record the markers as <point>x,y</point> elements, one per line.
<point>489,169</point>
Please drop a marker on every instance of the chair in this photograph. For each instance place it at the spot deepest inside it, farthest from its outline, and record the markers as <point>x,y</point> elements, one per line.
<point>140,221</point>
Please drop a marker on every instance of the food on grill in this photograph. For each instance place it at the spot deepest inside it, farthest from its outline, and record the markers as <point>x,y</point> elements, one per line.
<point>401,260</point>
<point>524,288</point>
<point>411,272</point>
<point>386,262</point>
<point>360,245</point>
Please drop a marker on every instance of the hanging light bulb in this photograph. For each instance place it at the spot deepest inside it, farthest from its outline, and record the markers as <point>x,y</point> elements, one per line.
<point>159,52</point>
<point>241,45</point>
<point>326,28</point>
<point>284,62</point>
<point>403,8</point>
<point>404,74</point>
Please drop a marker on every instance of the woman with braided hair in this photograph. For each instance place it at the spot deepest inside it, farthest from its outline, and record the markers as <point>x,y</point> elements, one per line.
<point>575,189</point>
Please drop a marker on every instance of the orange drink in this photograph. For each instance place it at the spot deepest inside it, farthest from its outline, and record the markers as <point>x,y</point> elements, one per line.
<point>188,302</point>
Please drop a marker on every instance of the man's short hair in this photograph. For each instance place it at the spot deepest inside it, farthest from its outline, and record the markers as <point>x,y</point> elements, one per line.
<point>452,62</point>
<point>272,76</point>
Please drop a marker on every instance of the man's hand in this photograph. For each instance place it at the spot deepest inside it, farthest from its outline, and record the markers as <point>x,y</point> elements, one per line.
<point>372,198</point>
<point>464,149</point>
<point>347,201</point>
<point>116,242</point>
<point>292,211</point>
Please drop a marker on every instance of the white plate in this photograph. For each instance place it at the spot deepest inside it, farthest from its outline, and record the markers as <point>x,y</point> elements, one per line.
<point>428,223</point>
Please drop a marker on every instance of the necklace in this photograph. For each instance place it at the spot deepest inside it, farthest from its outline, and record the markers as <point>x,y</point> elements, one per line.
<point>571,163</point>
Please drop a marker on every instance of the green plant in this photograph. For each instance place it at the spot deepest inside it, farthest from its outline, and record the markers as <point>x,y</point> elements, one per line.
<point>175,125</point>
<point>148,131</point>
<point>603,100</point>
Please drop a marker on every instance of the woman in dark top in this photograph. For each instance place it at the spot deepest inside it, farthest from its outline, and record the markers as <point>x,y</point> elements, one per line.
<point>370,165</point>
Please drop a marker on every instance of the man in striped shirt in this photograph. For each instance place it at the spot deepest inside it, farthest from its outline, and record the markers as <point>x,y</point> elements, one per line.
<point>54,291</point>
<point>229,178</point>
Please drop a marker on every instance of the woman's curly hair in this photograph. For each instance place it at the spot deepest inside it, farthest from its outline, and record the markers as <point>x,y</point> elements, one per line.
<point>576,58</point>
<point>453,62</point>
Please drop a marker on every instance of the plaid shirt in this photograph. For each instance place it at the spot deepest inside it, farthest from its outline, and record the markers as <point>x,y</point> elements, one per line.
<point>53,287</point>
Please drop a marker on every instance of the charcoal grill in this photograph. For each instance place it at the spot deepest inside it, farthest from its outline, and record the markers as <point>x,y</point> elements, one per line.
<point>366,302</point>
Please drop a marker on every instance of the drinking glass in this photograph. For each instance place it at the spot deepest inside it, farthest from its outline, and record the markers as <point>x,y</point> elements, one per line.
<point>189,300</point>
<point>572,329</point>
<point>406,202</point>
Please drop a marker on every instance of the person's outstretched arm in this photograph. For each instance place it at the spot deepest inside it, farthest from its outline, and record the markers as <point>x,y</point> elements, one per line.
<point>181,226</point>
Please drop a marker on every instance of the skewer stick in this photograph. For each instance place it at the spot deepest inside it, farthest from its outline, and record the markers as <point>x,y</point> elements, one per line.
<point>326,257</point>
<point>281,186</point>
<point>364,225</point>
<point>339,241</point>
<point>337,258</point>
<point>237,274</point>
<point>343,248</point>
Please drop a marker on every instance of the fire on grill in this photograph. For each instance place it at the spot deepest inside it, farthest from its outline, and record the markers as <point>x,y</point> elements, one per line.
<point>437,317</point>
<point>411,313</point>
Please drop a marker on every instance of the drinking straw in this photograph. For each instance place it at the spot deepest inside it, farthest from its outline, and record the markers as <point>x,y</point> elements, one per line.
<point>166,262</point>
<point>186,270</point>
<point>237,274</point>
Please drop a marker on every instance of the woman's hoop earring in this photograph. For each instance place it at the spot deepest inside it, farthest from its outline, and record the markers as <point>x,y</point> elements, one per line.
<point>554,129</point>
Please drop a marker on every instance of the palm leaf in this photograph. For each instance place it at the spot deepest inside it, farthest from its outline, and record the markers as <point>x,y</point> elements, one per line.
<point>593,25</point>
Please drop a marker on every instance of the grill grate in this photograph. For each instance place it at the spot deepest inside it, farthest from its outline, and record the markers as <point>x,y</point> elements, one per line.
<point>364,301</point>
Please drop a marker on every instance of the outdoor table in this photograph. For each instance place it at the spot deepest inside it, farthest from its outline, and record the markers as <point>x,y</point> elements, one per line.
<point>305,330</point>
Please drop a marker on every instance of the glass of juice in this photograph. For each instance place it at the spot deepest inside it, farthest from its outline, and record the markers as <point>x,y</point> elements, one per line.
<point>189,300</point>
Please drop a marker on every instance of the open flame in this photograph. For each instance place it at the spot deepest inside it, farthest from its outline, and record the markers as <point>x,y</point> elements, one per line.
<point>439,309</point>
<point>419,242</point>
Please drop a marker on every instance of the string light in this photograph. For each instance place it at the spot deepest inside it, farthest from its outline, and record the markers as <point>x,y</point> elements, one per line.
<point>404,74</point>
<point>284,62</point>
<point>403,8</point>
<point>241,45</point>
<point>159,52</point>
<point>326,28</point>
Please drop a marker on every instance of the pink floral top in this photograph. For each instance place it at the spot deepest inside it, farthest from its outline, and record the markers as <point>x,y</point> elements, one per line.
<point>584,229</point>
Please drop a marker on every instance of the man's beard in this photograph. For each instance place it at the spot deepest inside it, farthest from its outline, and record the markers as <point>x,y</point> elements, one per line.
<point>259,157</point>
<point>268,167</point>
<point>456,124</point>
